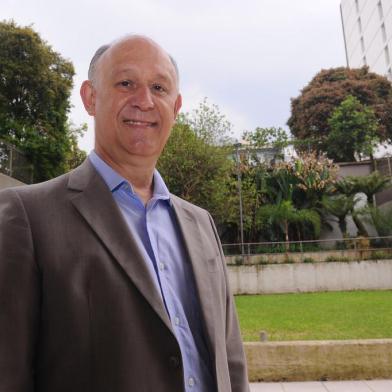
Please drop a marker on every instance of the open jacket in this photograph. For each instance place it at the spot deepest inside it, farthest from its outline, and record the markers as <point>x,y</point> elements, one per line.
<point>79,311</point>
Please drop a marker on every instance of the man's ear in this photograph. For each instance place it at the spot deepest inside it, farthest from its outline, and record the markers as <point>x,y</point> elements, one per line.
<point>87,92</point>
<point>177,105</point>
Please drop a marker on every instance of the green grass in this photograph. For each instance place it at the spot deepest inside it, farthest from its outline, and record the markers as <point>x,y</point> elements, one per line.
<point>316,316</point>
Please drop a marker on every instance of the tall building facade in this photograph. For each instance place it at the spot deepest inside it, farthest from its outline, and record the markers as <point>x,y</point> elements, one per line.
<point>367,29</point>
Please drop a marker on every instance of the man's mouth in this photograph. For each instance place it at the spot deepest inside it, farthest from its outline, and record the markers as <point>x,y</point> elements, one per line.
<point>139,123</point>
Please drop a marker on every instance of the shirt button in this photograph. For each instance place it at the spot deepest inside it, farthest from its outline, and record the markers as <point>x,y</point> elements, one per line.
<point>177,320</point>
<point>161,265</point>
<point>191,382</point>
<point>174,362</point>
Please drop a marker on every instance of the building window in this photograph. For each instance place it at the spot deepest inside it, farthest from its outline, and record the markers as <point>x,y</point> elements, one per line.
<point>359,26</point>
<point>387,57</point>
<point>380,11</point>
<point>384,33</point>
<point>357,6</point>
<point>362,45</point>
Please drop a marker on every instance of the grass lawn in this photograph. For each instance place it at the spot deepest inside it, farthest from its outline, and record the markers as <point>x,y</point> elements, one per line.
<point>316,316</point>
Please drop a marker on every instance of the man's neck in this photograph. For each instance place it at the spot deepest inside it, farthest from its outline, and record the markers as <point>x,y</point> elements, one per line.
<point>139,175</point>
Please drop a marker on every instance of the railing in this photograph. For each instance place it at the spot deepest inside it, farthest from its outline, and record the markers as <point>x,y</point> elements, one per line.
<point>13,163</point>
<point>341,244</point>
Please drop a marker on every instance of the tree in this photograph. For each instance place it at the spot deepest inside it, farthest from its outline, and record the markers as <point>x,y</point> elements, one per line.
<point>311,110</point>
<point>200,172</point>
<point>35,88</point>
<point>353,131</point>
<point>290,197</point>
<point>284,214</point>
<point>267,137</point>
<point>209,124</point>
<point>371,184</point>
<point>340,206</point>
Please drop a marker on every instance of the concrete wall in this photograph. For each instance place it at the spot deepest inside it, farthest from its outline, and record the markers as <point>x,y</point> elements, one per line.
<point>319,360</point>
<point>312,277</point>
<point>7,182</point>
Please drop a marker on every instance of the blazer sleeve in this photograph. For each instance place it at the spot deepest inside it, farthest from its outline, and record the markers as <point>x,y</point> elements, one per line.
<point>234,346</point>
<point>19,296</point>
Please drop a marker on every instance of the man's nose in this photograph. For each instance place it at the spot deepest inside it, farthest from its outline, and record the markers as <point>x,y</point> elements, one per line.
<point>143,99</point>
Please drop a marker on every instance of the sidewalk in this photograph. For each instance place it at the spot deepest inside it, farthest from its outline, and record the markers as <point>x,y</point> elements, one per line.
<point>324,386</point>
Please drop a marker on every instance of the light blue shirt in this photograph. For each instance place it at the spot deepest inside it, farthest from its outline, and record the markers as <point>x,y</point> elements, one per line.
<point>156,232</point>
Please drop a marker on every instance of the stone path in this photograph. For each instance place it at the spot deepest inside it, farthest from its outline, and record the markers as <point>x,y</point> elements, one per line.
<point>324,386</point>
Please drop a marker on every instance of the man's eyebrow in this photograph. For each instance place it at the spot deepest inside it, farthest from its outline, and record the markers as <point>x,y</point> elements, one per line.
<point>159,76</point>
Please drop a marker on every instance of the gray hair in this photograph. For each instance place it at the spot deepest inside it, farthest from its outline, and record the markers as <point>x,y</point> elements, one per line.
<point>102,49</point>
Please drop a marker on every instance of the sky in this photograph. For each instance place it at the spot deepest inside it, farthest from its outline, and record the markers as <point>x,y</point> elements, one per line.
<point>249,57</point>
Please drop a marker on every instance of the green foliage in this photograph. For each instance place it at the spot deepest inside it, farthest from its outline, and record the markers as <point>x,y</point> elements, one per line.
<point>267,137</point>
<point>284,214</point>
<point>342,259</point>
<point>199,171</point>
<point>346,185</point>
<point>35,88</point>
<point>380,255</point>
<point>371,184</point>
<point>380,218</point>
<point>318,100</point>
<point>308,260</point>
<point>209,124</point>
<point>354,131</point>
<point>288,189</point>
<point>340,206</point>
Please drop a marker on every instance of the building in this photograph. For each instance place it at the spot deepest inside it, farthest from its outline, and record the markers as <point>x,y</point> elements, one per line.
<point>367,29</point>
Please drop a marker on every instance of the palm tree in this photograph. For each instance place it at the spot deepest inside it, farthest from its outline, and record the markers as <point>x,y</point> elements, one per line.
<point>371,184</point>
<point>284,214</point>
<point>346,186</point>
<point>340,206</point>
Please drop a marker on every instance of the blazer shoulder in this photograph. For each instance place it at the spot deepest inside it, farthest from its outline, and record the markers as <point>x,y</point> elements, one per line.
<point>38,189</point>
<point>74,179</point>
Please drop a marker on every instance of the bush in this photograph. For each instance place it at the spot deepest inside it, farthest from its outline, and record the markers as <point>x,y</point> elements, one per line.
<point>337,258</point>
<point>379,255</point>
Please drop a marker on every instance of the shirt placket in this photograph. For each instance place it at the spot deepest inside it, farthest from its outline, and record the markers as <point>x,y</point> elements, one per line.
<point>174,308</point>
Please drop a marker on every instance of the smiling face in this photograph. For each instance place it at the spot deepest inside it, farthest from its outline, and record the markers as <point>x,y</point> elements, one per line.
<point>134,99</point>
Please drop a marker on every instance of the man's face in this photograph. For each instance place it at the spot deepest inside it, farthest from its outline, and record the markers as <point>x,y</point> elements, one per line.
<point>134,99</point>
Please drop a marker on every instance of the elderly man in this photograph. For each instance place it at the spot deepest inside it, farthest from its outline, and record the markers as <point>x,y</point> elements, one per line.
<point>109,283</point>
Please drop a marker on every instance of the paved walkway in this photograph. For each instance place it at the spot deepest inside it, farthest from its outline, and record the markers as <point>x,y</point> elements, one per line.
<point>324,386</point>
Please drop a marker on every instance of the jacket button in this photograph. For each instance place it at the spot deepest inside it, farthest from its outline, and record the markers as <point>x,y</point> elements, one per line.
<point>174,362</point>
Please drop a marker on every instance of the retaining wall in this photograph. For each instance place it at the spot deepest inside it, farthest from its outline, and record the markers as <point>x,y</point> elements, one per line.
<point>319,360</point>
<point>311,277</point>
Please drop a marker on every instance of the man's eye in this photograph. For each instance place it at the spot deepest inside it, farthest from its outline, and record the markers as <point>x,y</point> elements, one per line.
<point>159,88</point>
<point>125,83</point>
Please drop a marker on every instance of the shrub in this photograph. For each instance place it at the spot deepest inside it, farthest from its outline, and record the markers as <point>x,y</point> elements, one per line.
<point>379,255</point>
<point>337,258</point>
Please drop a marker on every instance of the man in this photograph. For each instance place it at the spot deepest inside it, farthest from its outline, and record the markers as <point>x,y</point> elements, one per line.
<point>108,282</point>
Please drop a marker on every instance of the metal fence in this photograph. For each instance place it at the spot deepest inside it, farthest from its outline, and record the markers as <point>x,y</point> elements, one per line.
<point>13,163</point>
<point>342,244</point>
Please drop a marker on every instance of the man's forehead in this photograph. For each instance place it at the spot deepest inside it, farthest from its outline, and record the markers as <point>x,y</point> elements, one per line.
<point>137,48</point>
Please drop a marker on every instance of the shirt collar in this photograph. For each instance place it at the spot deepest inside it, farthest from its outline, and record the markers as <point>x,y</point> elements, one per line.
<point>114,180</point>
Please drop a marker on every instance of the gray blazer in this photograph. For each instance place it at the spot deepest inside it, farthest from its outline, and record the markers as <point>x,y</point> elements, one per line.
<point>79,311</point>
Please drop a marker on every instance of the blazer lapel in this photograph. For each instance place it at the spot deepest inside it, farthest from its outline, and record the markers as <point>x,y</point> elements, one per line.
<point>95,203</point>
<point>195,247</point>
